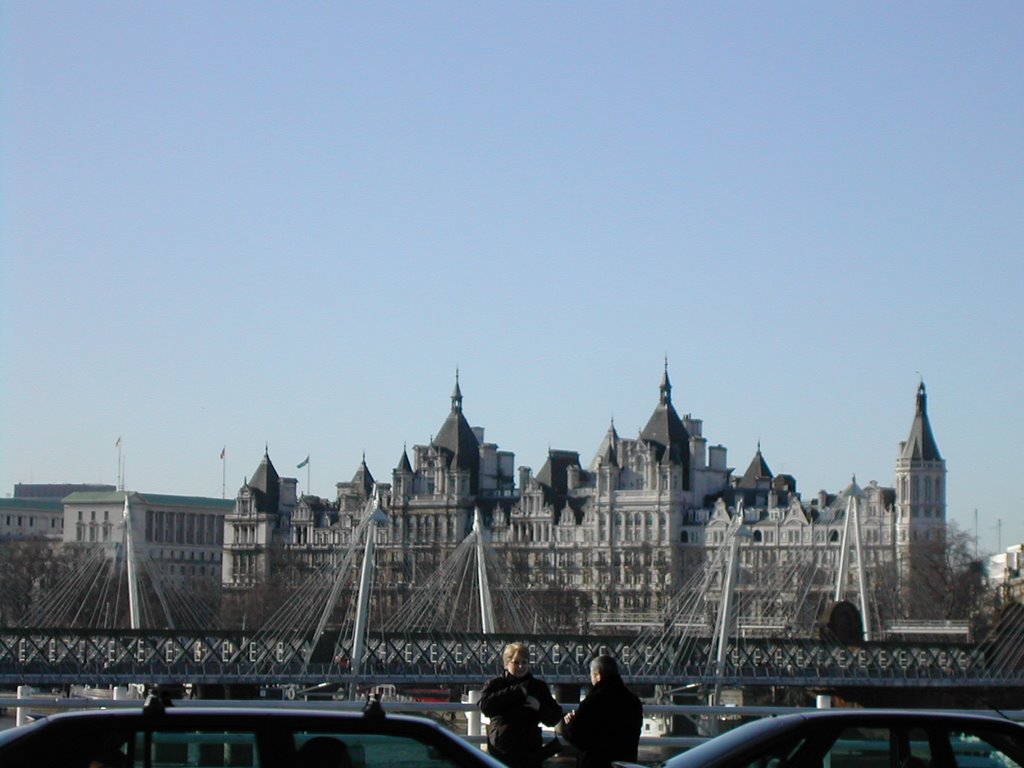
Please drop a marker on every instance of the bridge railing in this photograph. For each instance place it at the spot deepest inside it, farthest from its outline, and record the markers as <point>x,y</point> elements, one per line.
<point>111,657</point>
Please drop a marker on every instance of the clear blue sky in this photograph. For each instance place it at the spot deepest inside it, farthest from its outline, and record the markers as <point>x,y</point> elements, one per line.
<point>237,224</point>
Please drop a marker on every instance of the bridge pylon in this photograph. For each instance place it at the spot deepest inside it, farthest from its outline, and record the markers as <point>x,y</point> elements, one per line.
<point>486,605</point>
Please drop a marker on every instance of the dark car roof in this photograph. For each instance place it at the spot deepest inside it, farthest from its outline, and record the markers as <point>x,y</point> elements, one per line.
<point>750,734</point>
<point>184,714</point>
<point>95,726</point>
<point>175,717</point>
<point>282,714</point>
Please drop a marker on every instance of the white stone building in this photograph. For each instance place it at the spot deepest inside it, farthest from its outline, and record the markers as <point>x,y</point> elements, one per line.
<point>183,535</point>
<point>625,532</point>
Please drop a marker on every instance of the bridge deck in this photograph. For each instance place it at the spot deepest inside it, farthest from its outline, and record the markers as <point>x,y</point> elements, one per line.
<point>57,657</point>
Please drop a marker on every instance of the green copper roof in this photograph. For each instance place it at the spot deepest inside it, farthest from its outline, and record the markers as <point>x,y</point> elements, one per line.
<point>158,499</point>
<point>41,504</point>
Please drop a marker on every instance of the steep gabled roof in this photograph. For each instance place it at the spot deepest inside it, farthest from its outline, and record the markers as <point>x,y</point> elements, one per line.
<point>795,511</point>
<point>608,451</point>
<point>267,483</point>
<point>458,439</point>
<point>554,473</point>
<point>921,445</point>
<point>837,506</point>
<point>553,478</point>
<point>853,489</point>
<point>758,470</point>
<point>363,480</point>
<point>665,429</point>
<point>403,463</point>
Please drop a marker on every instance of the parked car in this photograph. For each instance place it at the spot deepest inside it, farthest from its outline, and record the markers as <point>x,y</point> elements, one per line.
<point>863,738</point>
<point>219,737</point>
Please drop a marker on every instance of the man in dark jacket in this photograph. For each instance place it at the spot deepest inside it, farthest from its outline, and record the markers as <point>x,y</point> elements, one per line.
<point>516,703</point>
<point>607,725</point>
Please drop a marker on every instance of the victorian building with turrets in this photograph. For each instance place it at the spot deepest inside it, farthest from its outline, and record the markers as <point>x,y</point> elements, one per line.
<point>625,532</point>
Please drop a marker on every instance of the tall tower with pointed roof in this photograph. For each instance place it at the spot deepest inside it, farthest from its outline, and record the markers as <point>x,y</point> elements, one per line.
<point>920,483</point>
<point>263,509</point>
<point>666,434</point>
<point>457,443</point>
<point>434,496</point>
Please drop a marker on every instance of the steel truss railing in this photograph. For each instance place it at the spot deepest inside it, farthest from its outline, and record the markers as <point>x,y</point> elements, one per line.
<point>117,657</point>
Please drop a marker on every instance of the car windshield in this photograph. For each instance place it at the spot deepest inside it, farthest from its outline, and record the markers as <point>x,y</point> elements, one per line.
<point>862,740</point>
<point>729,742</point>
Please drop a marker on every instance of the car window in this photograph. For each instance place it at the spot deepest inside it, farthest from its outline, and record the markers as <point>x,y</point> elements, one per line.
<point>196,749</point>
<point>917,751</point>
<point>985,749</point>
<point>860,747</point>
<point>776,755</point>
<point>241,749</point>
<point>377,750</point>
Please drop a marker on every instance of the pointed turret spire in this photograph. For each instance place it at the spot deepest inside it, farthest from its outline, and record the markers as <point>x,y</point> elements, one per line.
<point>457,394</point>
<point>921,443</point>
<point>267,482</point>
<point>758,471</point>
<point>666,386</point>
<point>363,479</point>
<point>850,490</point>
<point>608,451</point>
<point>457,438</point>
<point>403,463</point>
<point>666,431</point>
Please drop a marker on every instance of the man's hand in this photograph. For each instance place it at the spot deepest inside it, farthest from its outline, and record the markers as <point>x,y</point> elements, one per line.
<point>533,703</point>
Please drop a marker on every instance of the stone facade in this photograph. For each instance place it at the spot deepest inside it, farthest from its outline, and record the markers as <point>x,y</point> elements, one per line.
<point>36,511</point>
<point>181,535</point>
<point>626,532</point>
<point>1006,570</point>
<point>22,518</point>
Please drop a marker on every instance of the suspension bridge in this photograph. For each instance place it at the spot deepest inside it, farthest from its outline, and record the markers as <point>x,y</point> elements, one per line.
<point>452,627</point>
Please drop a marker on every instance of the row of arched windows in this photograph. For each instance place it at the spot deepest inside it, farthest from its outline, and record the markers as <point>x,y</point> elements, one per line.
<point>931,487</point>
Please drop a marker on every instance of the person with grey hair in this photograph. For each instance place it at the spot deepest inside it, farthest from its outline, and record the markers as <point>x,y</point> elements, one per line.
<point>607,725</point>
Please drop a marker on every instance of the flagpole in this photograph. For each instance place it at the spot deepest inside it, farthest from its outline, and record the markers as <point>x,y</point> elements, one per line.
<point>120,466</point>
<point>300,465</point>
<point>223,473</point>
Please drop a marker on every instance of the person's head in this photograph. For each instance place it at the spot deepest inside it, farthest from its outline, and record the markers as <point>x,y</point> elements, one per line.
<point>603,668</point>
<point>516,658</point>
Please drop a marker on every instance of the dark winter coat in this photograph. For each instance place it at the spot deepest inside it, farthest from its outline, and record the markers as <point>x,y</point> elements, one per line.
<point>606,726</point>
<point>513,733</point>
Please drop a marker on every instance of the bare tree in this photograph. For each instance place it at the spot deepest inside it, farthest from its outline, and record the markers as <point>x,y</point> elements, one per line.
<point>948,582</point>
<point>27,568</point>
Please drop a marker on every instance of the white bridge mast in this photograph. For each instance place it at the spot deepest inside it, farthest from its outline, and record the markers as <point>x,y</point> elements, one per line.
<point>130,563</point>
<point>853,498</point>
<point>486,606</point>
<point>377,518</point>
<point>726,624</point>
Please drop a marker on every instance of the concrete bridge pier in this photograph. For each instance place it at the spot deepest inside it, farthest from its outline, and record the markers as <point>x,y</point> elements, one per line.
<point>473,720</point>
<point>21,714</point>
